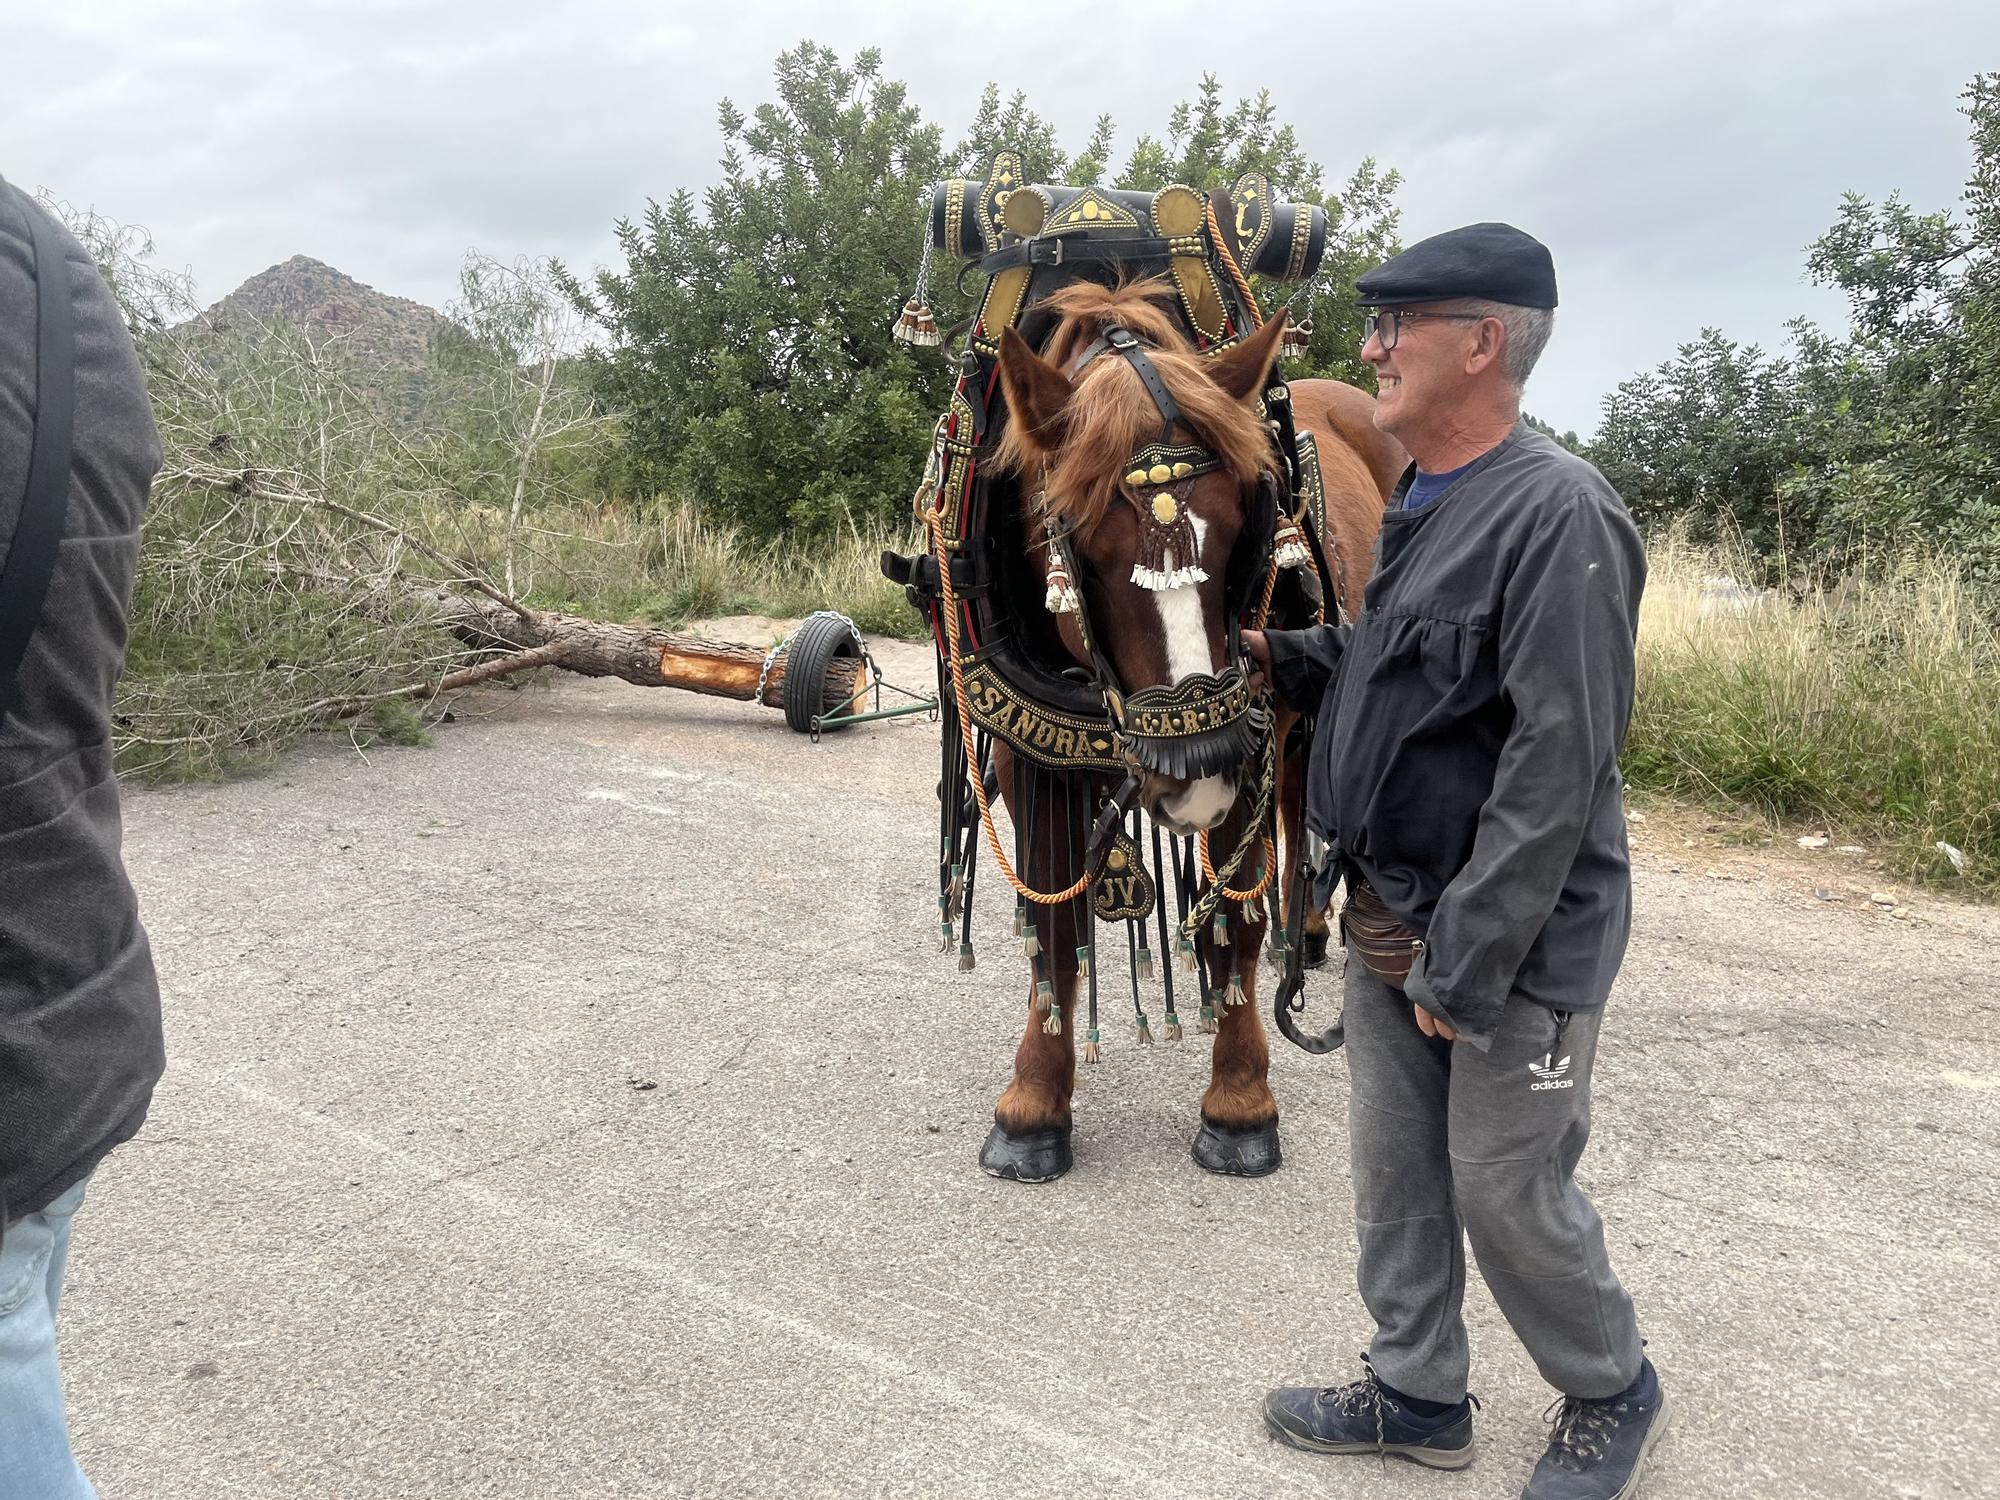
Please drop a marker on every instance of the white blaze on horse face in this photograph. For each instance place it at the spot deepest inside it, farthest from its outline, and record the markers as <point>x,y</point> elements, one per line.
<point>1181,625</point>
<point>1207,801</point>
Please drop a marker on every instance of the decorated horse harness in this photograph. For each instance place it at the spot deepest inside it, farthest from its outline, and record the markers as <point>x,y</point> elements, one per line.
<point>1003,675</point>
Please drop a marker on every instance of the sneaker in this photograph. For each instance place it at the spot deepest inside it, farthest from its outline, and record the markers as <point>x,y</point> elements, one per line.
<point>1366,1417</point>
<point>1598,1448</point>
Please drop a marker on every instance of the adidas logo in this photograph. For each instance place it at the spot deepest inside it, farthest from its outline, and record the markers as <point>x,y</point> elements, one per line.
<point>1549,1074</point>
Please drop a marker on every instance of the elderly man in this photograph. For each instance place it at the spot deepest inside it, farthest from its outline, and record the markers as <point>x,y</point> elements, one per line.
<point>1465,784</point>
<point>80,1046</point>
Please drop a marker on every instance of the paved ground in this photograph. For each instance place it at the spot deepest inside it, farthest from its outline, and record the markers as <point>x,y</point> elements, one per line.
<point>578,1107</point>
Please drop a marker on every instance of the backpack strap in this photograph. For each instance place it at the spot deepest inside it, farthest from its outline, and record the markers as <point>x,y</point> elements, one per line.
<point>31,558</point>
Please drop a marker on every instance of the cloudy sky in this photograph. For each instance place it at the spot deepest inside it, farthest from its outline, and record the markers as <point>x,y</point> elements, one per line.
<point>1676,155</point>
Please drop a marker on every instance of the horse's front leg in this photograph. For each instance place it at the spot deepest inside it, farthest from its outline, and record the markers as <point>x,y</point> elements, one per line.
<point>1030,1139</point>
<point>1239,1114</point>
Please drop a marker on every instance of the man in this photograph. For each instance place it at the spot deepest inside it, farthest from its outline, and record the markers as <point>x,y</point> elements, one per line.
<point>1465,783</point>
<point>80,1045</point>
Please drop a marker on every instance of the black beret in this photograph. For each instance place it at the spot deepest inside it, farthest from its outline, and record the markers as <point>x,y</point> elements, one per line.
<point>1496,262</point>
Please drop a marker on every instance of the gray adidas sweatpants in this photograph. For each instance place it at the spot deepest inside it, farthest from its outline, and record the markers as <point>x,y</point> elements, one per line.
<point>1449,1144</point>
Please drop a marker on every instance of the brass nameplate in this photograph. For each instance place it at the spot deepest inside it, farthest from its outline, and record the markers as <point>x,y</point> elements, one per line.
<point>1124,892</point>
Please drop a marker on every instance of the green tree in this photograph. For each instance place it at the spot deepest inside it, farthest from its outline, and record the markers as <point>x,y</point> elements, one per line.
<point>1854,442</point>
<point>747,335</point>
<point>1708,439</point>
<point>1209,145</point>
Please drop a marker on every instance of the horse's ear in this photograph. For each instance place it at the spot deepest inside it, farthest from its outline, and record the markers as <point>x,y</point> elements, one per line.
<point>1242,371</point>
<point>1037,392</point>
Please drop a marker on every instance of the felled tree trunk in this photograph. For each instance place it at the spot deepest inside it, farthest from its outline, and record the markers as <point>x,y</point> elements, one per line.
<point>637,654</point>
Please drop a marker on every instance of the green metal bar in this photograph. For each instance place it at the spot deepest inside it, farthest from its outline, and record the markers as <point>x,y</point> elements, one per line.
<point>881,713</point>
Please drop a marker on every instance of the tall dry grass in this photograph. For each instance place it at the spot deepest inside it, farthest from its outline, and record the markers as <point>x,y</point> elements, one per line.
<point>1872,707</point>
<point>668,563</point>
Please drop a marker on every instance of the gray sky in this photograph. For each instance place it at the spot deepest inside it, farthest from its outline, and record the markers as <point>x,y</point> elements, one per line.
<point>1677,157</point>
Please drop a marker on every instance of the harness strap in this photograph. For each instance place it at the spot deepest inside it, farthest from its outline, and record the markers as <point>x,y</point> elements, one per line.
<point>1118,340</point>
<point>31,557</point>
<point>1053,250</point>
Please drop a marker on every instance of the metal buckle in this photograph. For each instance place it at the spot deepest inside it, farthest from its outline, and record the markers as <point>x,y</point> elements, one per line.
<point>1045,251</point>
<point>1318,851</point>
<point>1120,338</point>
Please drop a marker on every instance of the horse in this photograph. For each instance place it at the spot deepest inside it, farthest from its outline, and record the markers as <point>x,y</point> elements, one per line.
<point>1147,473</point>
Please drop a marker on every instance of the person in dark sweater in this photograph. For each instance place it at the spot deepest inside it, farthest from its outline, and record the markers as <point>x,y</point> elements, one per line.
<point>1464,784</point>
<point>80,1038</point>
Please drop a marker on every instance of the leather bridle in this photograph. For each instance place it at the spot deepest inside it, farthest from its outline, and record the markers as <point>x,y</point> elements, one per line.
<point>1207,724</point>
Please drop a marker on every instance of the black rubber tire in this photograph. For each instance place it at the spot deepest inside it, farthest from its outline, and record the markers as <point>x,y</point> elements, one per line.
<point>813,647</point>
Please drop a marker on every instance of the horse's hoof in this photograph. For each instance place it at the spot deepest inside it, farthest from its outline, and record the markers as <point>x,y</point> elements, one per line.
<point>1238,1153</point>
<point>1039,1156</point>
<point>1312,948</point>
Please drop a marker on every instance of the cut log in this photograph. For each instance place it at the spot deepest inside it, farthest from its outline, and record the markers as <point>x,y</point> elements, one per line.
<point>642,655</point>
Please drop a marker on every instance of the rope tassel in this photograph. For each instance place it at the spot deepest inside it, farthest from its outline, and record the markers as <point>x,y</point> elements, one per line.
<point>1061,597</point>
<point>1289,544</point>
<point>917,326</point>
<point>1174,1032</point>
<point>1091,1054</point>
<point>1234,994</point>
<point>1207,1024</point>
<point>1294,341</point>
<point>1169,551</point>
<point>965,958</point>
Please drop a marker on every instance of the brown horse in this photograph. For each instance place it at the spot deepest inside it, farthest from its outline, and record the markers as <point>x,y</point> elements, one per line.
<point>1075,422</point>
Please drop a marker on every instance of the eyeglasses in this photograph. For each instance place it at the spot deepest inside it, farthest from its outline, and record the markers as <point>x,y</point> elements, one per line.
<point>1387,323</point>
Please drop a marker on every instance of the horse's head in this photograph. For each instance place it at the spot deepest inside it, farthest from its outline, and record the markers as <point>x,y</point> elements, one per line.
<point>1152,472</point>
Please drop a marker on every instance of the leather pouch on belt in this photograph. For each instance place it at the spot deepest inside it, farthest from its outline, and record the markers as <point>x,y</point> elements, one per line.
<point>1385,945</point>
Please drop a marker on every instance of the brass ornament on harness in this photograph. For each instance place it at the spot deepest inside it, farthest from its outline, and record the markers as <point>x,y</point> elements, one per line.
<point>1169,555</point>
<point>1200,726</point>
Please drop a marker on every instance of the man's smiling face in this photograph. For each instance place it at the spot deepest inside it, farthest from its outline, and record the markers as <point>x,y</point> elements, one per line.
<point>1425,369</point>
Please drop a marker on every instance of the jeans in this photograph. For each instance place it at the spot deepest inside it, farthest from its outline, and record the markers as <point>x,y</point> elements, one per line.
<point>35,1458</point>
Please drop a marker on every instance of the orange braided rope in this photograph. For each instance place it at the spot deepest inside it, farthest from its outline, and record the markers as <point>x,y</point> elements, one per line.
<point>1256,313</point>
<point>942,552</point>
<point>1235,272</point>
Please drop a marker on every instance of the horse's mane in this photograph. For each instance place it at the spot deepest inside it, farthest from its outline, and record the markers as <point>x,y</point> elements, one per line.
<point>1110,415</point>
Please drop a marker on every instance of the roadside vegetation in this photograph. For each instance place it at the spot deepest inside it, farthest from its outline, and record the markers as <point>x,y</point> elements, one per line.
<point>722,425</point>
<point>1869,709</point>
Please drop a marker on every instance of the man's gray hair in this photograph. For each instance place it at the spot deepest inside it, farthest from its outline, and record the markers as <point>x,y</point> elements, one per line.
<point>1527,334</point>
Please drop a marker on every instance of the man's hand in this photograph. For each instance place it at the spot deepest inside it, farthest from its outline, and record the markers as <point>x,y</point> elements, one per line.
<point>1259,649</point>
<point>1430,1025</point>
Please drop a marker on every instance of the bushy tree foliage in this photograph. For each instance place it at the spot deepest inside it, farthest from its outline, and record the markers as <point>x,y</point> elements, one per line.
<point>746,338</point>
<point>1886,433</point>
